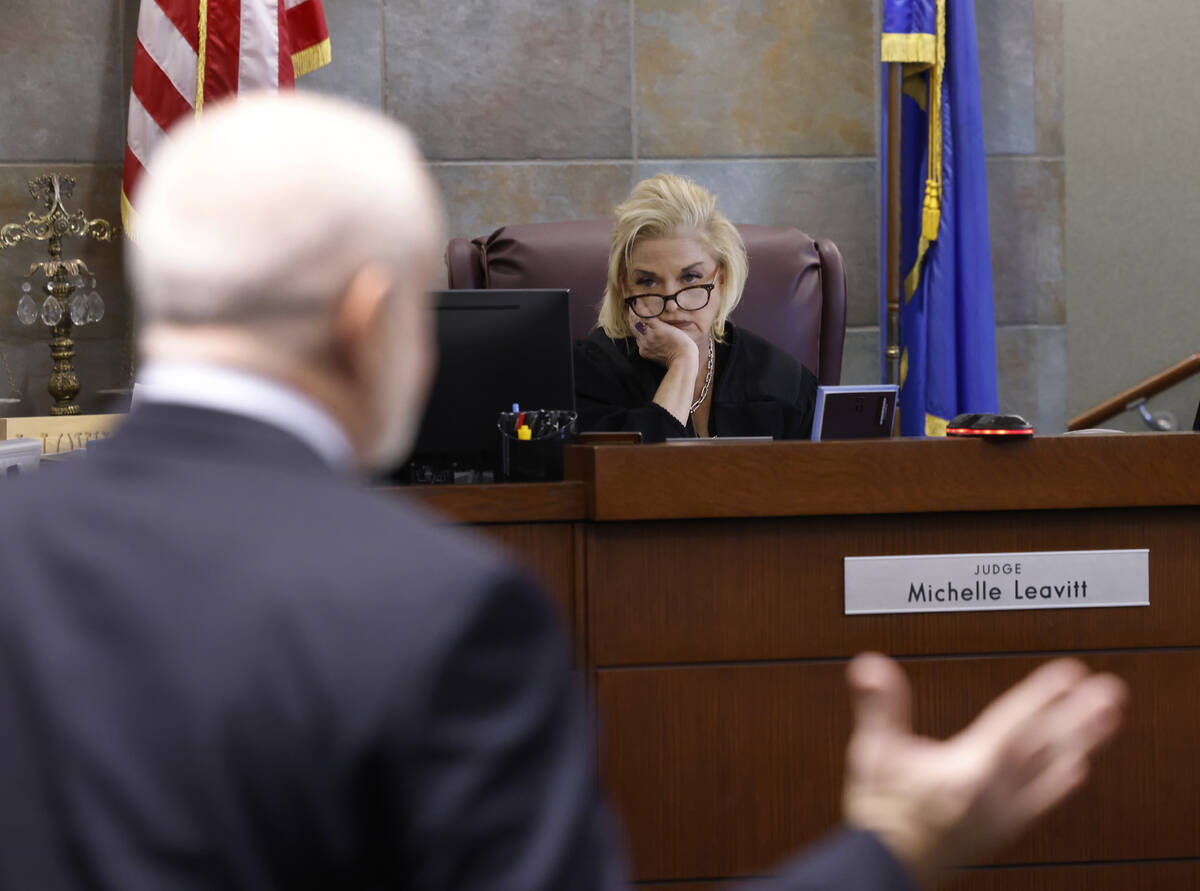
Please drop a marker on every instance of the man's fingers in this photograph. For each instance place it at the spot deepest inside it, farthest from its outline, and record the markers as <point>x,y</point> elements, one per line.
<point>1094,711</point>
<point>881,695</point>
<point>1071,727</point>
<point>1052,758</point>
<point>1013,710</point>
<point>1085,718</point>
<point>1046,791</point>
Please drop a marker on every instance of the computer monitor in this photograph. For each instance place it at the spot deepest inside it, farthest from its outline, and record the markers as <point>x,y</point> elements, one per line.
<point>495,348</point>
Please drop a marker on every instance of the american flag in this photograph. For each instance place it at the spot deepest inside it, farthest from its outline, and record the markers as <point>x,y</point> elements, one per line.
<point>190,52</point>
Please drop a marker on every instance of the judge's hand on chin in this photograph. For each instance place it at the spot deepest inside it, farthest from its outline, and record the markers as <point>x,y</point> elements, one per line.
<point>662,343</point>
<point>940,804</point>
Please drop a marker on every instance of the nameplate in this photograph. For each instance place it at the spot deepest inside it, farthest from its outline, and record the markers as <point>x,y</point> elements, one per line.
<point>947,583</point>
<point>60,434</point>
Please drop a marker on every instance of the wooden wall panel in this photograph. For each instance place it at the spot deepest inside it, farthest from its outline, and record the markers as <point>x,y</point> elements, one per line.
<point>1184,876</point>
<point>716,647</point>
<point>724,770</point>
<point>728,590</point>
<point>504,503</point>
<point>547,550</point>
<point>1178,876</point>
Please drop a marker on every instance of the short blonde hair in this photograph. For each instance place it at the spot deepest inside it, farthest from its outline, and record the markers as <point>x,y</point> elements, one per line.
<point>658,207</point>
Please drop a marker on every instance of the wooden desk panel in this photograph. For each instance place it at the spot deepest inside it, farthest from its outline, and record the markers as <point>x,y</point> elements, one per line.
<point>547,550</point>
<point>705,584</point>
<point>1183,876</point>
<point>725,770</point>
<point>1178,876</point>
<point>754,589</point>
<point>508,503</point>
<point>537,523</point>
<point>714,479</point>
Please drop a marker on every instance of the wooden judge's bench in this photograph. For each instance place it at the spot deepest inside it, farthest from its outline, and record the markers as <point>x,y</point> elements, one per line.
<point>703,584</point>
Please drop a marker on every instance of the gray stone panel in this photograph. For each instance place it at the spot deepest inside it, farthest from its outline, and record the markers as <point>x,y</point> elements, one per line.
<point>830,198</point>
<point>61,64</point>
<point>356,43</point>
<point>860,357</point>
<point>1006,74</point>
<point>1048,54</point>
<point>719,78</point>
<point>98,193</point>
<point>1031,367</point>
<point>1133,223</point>
<point>511,78</point>
<point>129,22</point>
<point>483,197</point>
<point>1026,216</point>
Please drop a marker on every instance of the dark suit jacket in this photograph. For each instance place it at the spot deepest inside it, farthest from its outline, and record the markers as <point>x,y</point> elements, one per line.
<point>757,389</point>
<point>224,666</point>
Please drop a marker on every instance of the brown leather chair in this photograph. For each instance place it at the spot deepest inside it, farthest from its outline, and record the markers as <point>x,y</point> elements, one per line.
<point>795,295</point>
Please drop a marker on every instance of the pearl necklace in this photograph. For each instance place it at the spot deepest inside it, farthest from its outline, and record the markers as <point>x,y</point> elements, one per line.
<point>707,381</point>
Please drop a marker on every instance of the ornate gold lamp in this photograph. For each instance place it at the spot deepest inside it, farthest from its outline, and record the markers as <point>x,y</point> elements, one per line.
<point>66,304</point>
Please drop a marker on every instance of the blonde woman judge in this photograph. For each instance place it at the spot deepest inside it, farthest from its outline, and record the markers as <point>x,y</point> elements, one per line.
<point>664,359</point>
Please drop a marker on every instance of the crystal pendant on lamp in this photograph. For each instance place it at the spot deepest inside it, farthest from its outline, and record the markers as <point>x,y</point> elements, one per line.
<point>52,312</point>
<point>79,308</point>
<point>27,311</point>
<point>95,307</point>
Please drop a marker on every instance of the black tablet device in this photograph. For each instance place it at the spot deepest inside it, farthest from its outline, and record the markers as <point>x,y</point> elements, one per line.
<point>855,412</point>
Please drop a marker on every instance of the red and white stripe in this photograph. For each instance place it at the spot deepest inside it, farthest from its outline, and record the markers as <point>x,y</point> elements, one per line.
<point>190,52</point>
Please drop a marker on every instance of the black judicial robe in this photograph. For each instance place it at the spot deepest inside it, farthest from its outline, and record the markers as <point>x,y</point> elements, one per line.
<point>757,390</point>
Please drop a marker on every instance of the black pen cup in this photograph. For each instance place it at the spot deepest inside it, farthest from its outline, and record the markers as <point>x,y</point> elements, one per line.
<point>535,455</point>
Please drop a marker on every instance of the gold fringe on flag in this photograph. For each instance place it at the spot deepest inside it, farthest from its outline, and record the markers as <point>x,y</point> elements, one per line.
<point>129,218</point>
<point>932,215</point>
<point>309,60</point>
<point>200,56</point>
<point>925,64</point>
<point>909,48</point>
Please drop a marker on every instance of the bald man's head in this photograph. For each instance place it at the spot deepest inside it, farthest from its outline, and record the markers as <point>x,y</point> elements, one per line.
<point>264,208</point>
<point>295,236</point>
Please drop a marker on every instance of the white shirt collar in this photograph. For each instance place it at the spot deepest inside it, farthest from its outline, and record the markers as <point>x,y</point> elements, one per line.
<point>220,388</point>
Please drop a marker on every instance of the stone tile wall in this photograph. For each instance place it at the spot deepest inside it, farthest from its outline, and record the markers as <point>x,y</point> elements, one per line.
<point>63,82</point>
<point>542,110</point>
<point>1021,64</point>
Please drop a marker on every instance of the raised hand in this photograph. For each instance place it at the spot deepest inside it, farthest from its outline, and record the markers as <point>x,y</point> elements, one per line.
<point>940,804</point>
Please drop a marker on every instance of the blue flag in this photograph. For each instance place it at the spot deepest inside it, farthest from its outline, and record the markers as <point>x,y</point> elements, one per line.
<point>947,321</point>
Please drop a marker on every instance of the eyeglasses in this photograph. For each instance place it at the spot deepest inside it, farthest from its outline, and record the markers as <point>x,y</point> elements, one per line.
<point>650,306</point>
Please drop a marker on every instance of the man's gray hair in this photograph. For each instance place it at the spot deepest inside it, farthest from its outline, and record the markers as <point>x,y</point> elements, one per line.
<point>262,211</point>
